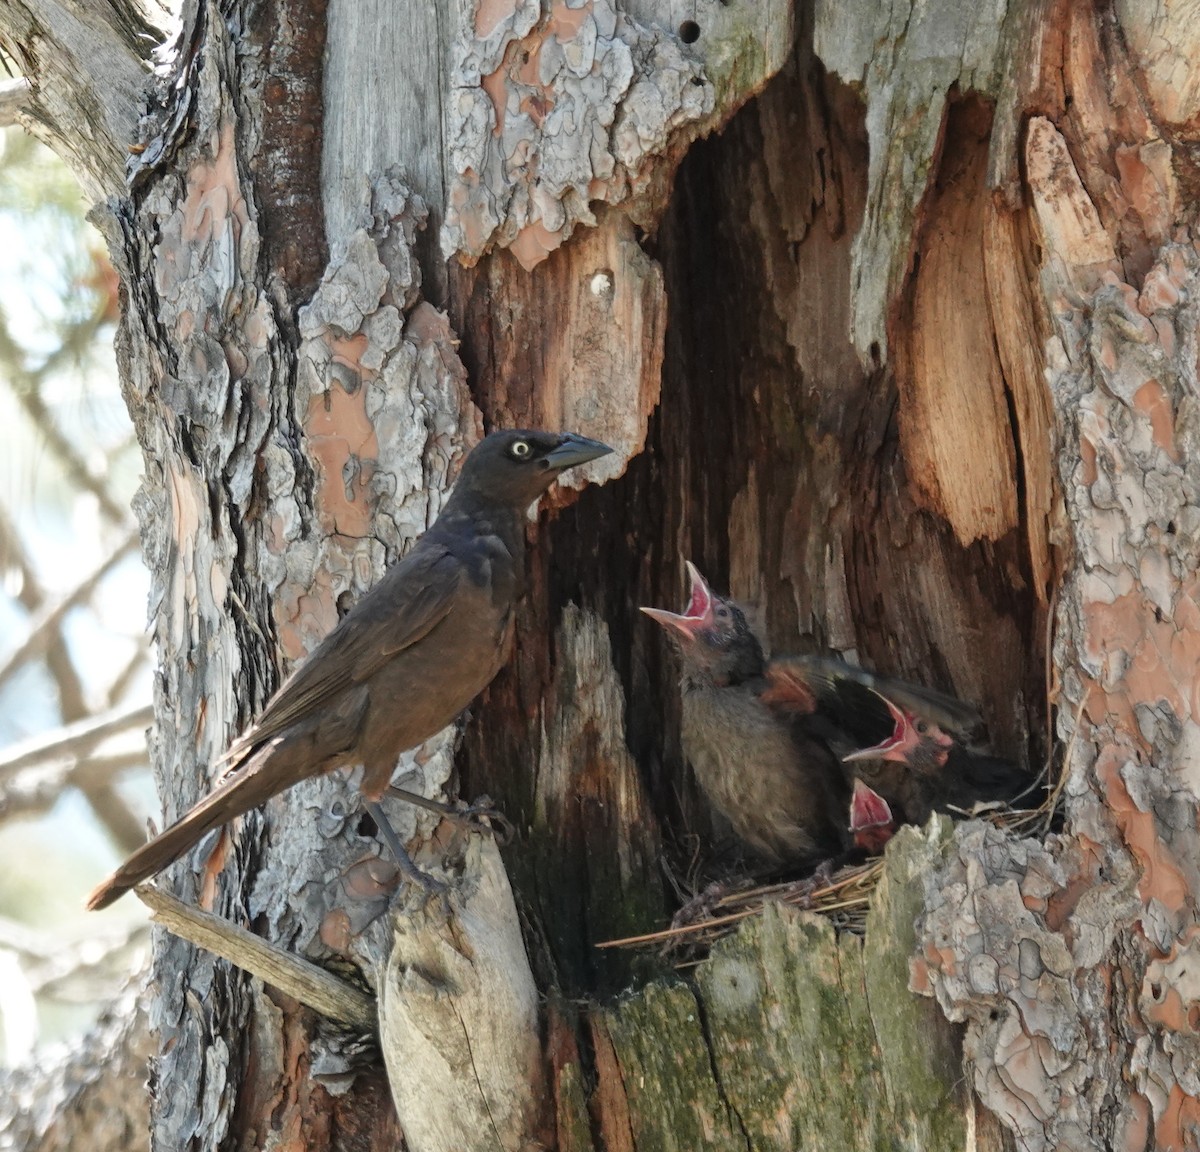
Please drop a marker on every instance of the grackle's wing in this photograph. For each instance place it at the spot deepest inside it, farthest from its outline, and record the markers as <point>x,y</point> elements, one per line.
<point>411,600</point>
<point>851,697</point>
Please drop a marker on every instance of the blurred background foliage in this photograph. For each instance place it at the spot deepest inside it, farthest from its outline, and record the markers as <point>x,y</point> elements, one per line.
<point>75,673</point>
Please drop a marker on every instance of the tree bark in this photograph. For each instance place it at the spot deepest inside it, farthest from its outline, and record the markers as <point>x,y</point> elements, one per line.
<point>906,352</point>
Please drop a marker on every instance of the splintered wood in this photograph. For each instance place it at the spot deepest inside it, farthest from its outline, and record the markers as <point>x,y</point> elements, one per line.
<point>954,417</point>
<point>1070,961</point>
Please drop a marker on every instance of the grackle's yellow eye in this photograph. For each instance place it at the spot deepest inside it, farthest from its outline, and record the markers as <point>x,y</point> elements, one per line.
<point>521,449</point>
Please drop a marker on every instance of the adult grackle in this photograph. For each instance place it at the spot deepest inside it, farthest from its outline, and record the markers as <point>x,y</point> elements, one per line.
<point>402,664</point>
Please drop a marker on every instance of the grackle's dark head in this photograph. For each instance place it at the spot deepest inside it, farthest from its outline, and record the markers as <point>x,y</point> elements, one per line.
<point>514,467</point>
<point>712,634</point>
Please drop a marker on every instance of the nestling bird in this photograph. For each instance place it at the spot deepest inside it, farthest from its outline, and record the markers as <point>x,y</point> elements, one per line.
<point>859,703</point>
<point>918,749</point>
<point>871,822</point>
<point>923,768</point>
<point>402,664</point>
<point>778,745</point>
<point>781,791</point>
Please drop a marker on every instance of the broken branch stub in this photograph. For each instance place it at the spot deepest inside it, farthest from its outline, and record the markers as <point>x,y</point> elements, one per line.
<point>458,1014</point>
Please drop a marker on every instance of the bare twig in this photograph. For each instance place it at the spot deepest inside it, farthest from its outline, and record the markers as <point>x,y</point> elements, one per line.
<point>72,705</point>
<point>87,62</point>
<point>124,678</point>
<point>92,778</point>
<point>26,385</point>
<point>36,790</point>
<point>851,888</point>
<point>44,629</point>
<point>87,968</point>
<point>14,99</point>
<point>846,898</point>
<point>13,555</point>
<point>127,831</point>
<point>75,741</point>
<point>299,978</point>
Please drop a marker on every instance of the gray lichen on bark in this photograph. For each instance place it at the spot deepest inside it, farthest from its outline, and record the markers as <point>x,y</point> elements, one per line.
<point>548,114</point>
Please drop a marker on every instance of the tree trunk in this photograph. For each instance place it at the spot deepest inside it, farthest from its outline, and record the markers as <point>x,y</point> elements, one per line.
<point>906,353</point>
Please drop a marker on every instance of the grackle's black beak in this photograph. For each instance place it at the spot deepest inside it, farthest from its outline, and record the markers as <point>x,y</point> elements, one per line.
<point>574,450</point>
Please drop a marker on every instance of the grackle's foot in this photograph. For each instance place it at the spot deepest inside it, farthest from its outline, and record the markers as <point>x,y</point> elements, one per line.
<point>482,816</point>
<point>429,885</point>
<point>703,904</point>
<point>803,891</point>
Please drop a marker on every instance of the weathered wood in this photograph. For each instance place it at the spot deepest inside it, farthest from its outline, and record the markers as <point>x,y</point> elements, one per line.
<point>793,1036</point>
<point>312,986</point>
<point>458,1016</point>
<point>14,100</point>
<point>908,59</point>
<point>88,60</point>
<point>550,113</point>
<point>954,419</point>
<point>1069,960</point>
<point>386,92</point>
<point>1020,326</point>
<point>1163,40</point>
<point>579,344</point>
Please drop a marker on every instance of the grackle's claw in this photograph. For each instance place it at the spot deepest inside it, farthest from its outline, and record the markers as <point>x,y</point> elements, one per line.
<point>481,816</point>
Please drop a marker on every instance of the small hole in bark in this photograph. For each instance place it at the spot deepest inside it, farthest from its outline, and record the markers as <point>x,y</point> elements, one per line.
<point>345,602</point>
<point>689,31</point>
<point>696,82</point>
<point>1155,991</point>
<point>1170,527</point>
<point>993,1015</point>
<point>367,828</point>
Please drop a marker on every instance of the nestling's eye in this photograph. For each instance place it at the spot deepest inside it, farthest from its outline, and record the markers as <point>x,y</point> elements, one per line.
<point>922,727</point>
<point>520,449</point>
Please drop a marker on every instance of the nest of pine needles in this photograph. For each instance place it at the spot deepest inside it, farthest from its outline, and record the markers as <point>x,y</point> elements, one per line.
<point>844,897</point>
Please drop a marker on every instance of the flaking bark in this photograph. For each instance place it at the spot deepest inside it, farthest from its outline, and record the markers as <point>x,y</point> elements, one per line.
<point>826,421</point>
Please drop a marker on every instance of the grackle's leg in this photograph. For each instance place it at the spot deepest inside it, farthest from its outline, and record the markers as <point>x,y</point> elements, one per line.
<point>431,885</point>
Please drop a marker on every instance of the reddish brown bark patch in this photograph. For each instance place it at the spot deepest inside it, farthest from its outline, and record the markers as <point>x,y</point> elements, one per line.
<point>610,1106</point>
<point>290,35</point>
